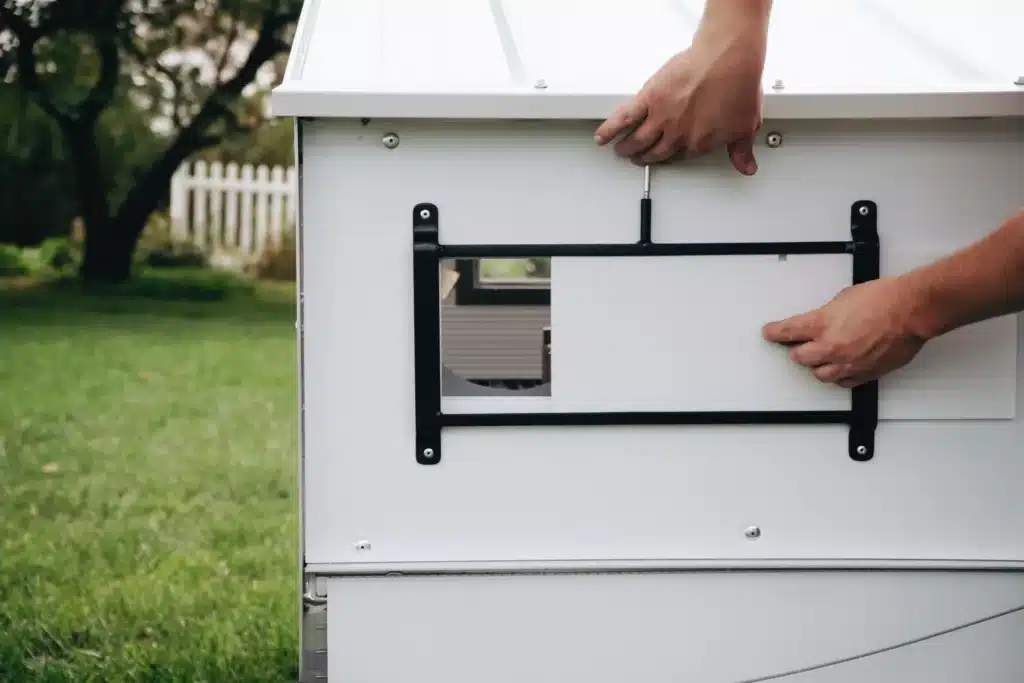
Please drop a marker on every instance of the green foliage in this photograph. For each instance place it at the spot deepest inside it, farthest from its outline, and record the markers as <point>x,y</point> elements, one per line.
<point>60,254</point>
<point>12,261</point>
<point>179,284</point>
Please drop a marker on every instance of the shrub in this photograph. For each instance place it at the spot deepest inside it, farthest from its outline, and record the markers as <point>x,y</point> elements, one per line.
<point>158,248</point>
<point>60,253</point>
<point>12,261</point>
<point>277,261</point>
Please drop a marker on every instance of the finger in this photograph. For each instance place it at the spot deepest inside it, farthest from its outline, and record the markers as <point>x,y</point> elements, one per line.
<point>667,148</point>
<point>799,328</point>
<point>626,117</point>
<point>812,354</point>
<point>741,154</point>
<point>830,372</point>
<point>640,140</point>
<point>855,381</point>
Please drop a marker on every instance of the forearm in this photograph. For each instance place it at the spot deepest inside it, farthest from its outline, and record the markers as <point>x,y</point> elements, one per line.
<point>984,280</point>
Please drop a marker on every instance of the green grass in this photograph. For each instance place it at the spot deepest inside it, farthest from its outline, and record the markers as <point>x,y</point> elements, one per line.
<point>147,477</point>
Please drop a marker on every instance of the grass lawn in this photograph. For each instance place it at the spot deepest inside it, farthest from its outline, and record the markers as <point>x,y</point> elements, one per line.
<point>147,484</point>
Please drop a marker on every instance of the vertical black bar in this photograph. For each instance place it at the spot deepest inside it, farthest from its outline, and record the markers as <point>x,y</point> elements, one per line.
<point>426,281</point>
<point>866,267</point>
<point>645,221</point>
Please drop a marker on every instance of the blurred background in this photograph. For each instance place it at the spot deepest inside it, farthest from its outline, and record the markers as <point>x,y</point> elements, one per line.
<point>148,438</point>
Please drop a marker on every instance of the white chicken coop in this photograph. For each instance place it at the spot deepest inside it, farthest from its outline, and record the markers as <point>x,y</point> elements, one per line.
<point>672,500</point>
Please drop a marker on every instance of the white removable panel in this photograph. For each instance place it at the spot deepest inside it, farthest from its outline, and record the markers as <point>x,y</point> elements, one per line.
<point>728,627</point>
<point>684,333</point>
<point>937,489</point>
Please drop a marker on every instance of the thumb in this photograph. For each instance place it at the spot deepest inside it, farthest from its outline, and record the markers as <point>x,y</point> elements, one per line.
<point>799,328</point>
<point>741,154</point>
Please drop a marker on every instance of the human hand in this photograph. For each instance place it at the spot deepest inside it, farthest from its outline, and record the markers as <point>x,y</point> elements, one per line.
<point>702,98</point>
<point>865,332</point>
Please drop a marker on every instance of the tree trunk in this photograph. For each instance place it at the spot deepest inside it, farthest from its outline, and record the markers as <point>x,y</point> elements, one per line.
<point>108,254</point>
<point>105,258</point>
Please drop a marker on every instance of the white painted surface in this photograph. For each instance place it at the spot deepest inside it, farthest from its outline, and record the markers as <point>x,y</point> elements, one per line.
<point>937,490</point>
<point>231,207</point>
<point>665,628</point>
<point>475,59</point>
<point>684,333</point>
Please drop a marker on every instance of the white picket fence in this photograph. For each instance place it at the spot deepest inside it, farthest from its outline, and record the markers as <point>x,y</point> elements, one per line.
<point>232,208</point>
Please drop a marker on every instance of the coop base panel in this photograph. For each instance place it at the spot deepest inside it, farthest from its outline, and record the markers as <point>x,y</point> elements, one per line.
<point>707,627</point>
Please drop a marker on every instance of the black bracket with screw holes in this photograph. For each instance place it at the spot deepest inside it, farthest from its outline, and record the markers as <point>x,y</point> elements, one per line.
<point>866,266</point>
<point>862,418</point>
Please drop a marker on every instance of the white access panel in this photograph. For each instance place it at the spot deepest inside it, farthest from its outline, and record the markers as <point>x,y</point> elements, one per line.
<point>706,627</point>
<point>945,483</point>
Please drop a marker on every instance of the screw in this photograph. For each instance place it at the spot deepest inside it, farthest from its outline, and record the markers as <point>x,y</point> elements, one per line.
<point>774,140</point>
<point>1019,81</point>
<point>864,211</point>
<point>390,140</point>
<point>428,452</point>
<point>362,546</point>
<point>753,532</point>
<point>425,214</point>
<point>862,450</point>
<point>540,84</point>
<point>778,85</point>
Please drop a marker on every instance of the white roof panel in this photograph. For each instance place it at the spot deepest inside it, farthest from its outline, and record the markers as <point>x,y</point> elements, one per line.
<point>484,58</point>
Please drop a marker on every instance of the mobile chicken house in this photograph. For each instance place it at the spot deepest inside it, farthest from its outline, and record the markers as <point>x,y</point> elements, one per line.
<point>678,502</point>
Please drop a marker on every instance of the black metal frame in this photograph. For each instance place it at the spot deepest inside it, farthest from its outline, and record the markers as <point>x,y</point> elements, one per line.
<point>862,418</point>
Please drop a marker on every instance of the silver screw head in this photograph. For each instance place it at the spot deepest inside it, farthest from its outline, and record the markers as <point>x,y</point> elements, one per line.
<point>390,140</point>
<point>362,546</point>
<point>753,532</point>
<point>864,211</point>
<point>778,84</point>
<point>540,84</point>
<point>425,214</point>
<point>428,452</point>
<point>862,450</point>
<point>774,140</point>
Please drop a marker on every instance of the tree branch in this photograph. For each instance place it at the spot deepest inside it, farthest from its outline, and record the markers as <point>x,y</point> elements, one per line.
<point>101,94</point>
<point>28,68</point>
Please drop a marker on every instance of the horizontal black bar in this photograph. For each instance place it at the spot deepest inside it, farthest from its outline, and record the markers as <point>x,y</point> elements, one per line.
<point>655,249</point>
<point>776,417</point>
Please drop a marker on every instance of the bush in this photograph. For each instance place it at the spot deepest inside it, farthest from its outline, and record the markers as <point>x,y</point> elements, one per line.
<point>158,248</point>
<point>59,253</point>
<point>12,261</point>
<point>277,261</point>
<point>175,255</point>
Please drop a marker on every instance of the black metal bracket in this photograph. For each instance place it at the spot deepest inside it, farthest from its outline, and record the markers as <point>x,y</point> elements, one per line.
<point>427,332</point>
<point>866,266</point>
<point>862,418</point>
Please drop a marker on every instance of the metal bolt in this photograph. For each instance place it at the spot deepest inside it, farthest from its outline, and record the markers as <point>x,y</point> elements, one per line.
<point>1019,81</point>
<point>362,546</point>
<point>425,214</point>
<point>540,84</point>
<point>862,450</point>
<point>864,211</point>
<point>774,140</point>
<point>390,140</point>
<point>428,452</point>
<point>778,85</point>
<point>753,532</point>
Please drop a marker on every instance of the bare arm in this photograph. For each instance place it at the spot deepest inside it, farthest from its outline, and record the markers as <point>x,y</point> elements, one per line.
<point>879,326</point>
<point>982,281</point>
